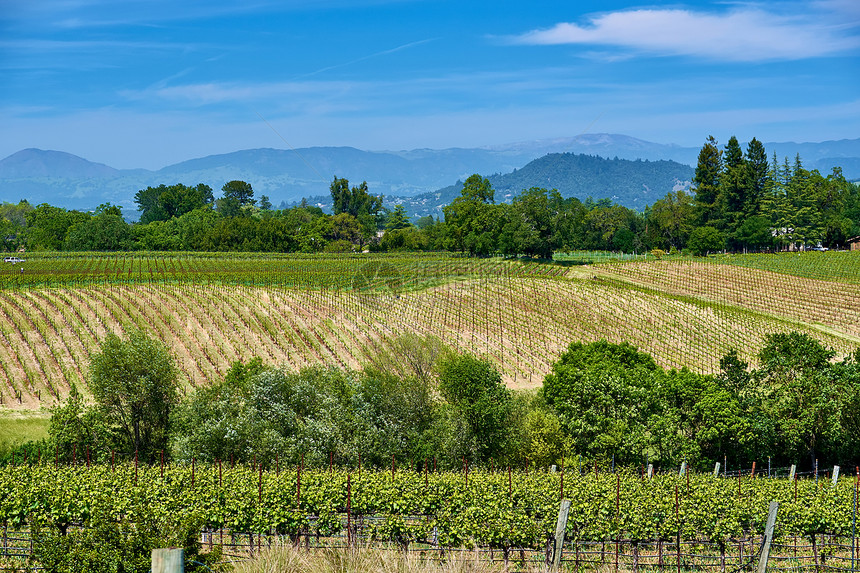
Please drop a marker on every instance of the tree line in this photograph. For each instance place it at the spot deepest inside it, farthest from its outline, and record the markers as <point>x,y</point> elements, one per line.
<point>602,403</point>
<point>740,201</point>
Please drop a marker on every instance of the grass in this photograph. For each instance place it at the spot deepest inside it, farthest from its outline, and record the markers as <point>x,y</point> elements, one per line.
<point>288,559</point>
<point>19,427</point>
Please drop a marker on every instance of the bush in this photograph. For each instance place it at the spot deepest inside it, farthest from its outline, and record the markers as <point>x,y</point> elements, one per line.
<point>704,240</point>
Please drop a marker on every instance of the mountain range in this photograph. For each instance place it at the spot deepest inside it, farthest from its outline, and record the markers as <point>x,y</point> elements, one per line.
<point>428,176</point>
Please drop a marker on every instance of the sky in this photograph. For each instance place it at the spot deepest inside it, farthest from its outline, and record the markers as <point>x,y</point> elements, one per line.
<point>154,82</point>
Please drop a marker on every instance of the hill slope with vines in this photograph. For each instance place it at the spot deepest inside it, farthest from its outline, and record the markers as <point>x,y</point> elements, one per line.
<point>520,316</point>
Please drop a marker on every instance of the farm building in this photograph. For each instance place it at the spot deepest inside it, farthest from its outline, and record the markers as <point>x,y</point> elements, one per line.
<point>854,243</point>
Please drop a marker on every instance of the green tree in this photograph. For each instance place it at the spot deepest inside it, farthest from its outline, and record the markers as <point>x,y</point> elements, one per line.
<point>359,203</point>
<point>704,240</point>
<point>754,233</point>
<point>802,395</point>
<point>604,396</point>
<point>398,219</point>
<point>241,191</point>
<point>134,383</point>
<point>707,181</point>
<point>107,231</point>
<point>472,219</point>
<point>165,202</point>
<point>755,177</point>
<point>265,203</point>
<point>732,200</point>
<point>47,226</point>
<point>474,387</point>
<point>532,226</point>
<point>673,216</point>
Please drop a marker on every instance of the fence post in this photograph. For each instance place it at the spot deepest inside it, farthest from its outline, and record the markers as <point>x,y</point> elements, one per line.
<point>168,560</point>
<point>835,475</point>
<point>558,545</point>
<point>792,472</point>
<point>650,471</point>
<point>854,526</point>
<point>717,469</point>
<point>683,469</point>
<point>768,537</point>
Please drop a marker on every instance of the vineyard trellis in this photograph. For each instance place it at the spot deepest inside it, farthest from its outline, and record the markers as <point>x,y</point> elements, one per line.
<point>294,310</point>
<point>617,520</point>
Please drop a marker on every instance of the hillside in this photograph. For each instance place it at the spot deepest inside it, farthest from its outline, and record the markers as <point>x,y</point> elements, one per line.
<point>634,184</point>
<point>685,314</point>
<point>286,175</point>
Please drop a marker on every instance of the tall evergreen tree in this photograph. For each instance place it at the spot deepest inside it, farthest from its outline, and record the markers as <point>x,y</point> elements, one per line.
<point>707,181</point>
<point>732,194</point>
<point>756,176</point>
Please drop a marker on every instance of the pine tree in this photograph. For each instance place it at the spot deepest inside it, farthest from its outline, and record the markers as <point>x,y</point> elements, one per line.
<point>707,181</point>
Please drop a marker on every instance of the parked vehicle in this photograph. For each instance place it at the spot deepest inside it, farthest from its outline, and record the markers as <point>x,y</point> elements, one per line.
<point>13,260</point>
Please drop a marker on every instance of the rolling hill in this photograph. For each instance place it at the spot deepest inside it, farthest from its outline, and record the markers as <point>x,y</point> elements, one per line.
<point>287,175</point>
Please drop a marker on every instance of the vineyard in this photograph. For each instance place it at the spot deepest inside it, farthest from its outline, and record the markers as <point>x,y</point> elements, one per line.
<point>211,310</point>
<point>668,521</point>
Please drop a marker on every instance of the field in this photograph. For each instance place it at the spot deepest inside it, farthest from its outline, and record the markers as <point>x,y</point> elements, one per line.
<point>211,310</point>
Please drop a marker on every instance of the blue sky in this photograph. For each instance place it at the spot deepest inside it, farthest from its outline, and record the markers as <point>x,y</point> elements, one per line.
<point>150,83</point>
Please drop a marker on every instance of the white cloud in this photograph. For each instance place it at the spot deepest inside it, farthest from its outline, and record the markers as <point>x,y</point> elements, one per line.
<point>743,35</point>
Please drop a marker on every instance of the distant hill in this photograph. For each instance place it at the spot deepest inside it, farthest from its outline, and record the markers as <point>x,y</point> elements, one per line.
<point>287,175</point>
<point>35,163</point>
<point>634,184</point>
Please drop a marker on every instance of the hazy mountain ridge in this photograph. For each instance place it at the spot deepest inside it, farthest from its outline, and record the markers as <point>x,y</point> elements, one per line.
<point>288,175</point>
<point>632,183</point>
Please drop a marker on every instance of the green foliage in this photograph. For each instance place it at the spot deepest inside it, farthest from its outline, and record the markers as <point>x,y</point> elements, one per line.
<point>313,413</point>
<point>707,181</point>
<point>359,203</point>
<point>77,428</point>
<point>474,387</point>
<point>134,383</point>
<point>805,396</point>
<point>47,226</point>
<point>614,401</point>
<point>104,232</point>
<point>397,219</point>
<point>604,395</point>
<point>472,220</point>
<point>130,513</point>
<point>165,202</point>
<point>704,240</point>
<point>240,192</point>
<point>124,544</point>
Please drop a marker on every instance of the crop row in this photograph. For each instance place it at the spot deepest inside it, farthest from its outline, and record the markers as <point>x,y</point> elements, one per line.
<point>501,508</point>
<point>833,304</point>
<point>521,324</point>
<point>842,266</point>
<point>349,272</point>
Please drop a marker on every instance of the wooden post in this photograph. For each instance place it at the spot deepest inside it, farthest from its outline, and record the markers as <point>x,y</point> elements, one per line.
<point>768,537</point>
<point>561,525</point>
<point>168,560</point>
<point>349,510</point>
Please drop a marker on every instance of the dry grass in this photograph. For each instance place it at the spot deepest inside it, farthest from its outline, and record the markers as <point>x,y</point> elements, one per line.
<point>288,559</point>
